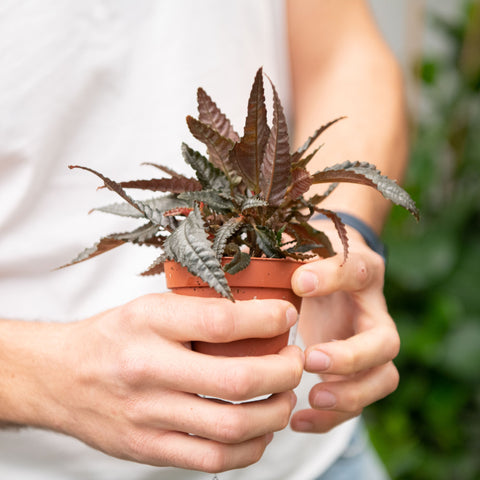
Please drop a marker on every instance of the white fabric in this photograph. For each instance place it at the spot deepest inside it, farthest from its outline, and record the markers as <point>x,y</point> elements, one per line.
<point>108,84</point>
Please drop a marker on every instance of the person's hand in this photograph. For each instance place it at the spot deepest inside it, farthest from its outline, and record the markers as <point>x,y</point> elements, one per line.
<point>351,338</point>
<point>126,381</point>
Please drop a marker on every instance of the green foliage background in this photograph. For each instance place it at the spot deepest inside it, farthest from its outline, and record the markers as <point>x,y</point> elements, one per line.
<point>430,427</point>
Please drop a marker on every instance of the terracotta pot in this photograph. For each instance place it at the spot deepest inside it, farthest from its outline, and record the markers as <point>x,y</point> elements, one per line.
<point>264,278</point>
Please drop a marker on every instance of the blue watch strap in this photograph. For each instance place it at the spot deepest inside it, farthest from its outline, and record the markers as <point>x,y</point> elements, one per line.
<point>370,237</point>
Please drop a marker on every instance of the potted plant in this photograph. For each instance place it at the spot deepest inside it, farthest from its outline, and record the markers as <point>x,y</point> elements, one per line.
<point>247,207</point>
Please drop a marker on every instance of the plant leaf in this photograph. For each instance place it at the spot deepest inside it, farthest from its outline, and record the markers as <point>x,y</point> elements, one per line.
<point>267,241</point>
<point>211,198</point>
<point>158,266</point>
<point>164,169</point>
<point>301,183</point>
<point>304,233</point>
<point>316,199</point>
<point>141,235</point>
<point>239,262</point>
<point>111,185</point>
<point>275,170</point>
<point>172,185</point>
<point>299,153</point>
<point>253,202</point>
<point>224,233</point>
<point>211,115</point>
<point>160,204</point>
<point>367,174</point>
<point>247,155</point>
<point>189,246</point>
<point>103,245</point>
<point>211,177</point>
<point>218,146</point>
<point>303,162</point>
<point>340,227</point>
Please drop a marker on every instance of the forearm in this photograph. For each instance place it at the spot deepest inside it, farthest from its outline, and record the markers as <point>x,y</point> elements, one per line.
<point>26,361</point>
<point>345,69</point>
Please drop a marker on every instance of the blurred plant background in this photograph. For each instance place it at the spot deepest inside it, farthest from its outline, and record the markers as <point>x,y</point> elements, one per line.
<point>429,429</point>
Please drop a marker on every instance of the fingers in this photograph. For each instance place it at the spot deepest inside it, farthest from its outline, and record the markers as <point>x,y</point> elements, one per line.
<point>211,319</point>
<point>354,394</point>
<point>234,379</point>
<point>361,271</point>
<point>318,421</point>
<point>365,350</point>
<point>195,453</point>
<point>334,402</point>
<point>219,421</point>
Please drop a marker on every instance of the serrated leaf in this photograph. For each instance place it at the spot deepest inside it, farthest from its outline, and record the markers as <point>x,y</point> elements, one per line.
<point>253,202</point>
<point>267,241</point>
<point>164,169</point>
<point>189,246</point>
<point>211,198</point>
<point>111,185</point>
<point>211,177</point>
<point>157,267</point>
<point>305,233</point>
<point>172,185</point>
<point>140,235</point>
<point>275,170</point>
<point>103,245</point>
<point>340,227</point>
<point>299,153</point>
<point>161,204</point>
<point>218,146</point>
<point>316,199</point>
<point>247,155</point>
<point>239,262</point>
<point>301,183</point>
<point>211,115</point>
<point>224,233</point>
<point>150,213</point>
<point>367,174</point>
<point>303,162</point>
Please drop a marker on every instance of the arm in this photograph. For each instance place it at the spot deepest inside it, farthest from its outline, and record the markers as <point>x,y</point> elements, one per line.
<point>341,66</point>
<point>126,382</point>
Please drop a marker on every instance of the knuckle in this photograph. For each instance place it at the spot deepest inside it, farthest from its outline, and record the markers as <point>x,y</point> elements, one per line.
<point>214,459</point>
<point>361,273</point>
<point>231,428</point>
<point>349,361</point>
<point>395,343</point>
<point>394,378</point>
<point>131,368</point>
<point>136,445</point>
<point>352,401</point>
<point>218,323</point>
<point>237,384</point>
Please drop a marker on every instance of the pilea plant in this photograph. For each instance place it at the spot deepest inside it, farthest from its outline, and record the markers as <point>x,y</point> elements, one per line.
<point>247,200</point>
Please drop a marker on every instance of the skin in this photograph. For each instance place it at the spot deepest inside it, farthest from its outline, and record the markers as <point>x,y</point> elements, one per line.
<point>345,68</point>
<point>109,380</point>
<point>125,381</point>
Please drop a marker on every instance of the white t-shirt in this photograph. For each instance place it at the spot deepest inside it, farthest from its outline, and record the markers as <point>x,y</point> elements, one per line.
<point>107,84</point>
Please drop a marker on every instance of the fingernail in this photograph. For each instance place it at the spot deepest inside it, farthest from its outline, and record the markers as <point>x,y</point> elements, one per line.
<point>307,282</point>
<point>302,426</point>
<point>324,399</point>
<point>292,316</point>
<point>318,361</point>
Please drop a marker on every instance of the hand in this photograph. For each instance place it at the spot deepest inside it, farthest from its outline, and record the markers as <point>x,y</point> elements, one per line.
<point>344,315</point>
<point>126,381</point>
